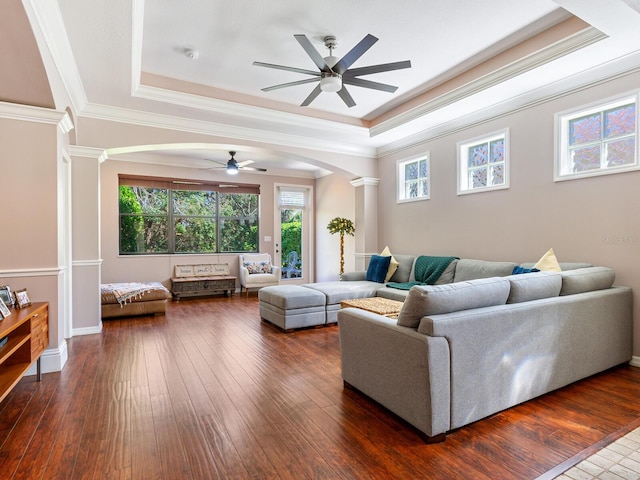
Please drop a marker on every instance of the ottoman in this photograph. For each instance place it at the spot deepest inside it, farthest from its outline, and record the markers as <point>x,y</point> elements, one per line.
<point>292,306</point>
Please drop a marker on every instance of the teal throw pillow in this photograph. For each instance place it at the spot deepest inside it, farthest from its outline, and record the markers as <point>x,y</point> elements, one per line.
<point>378,267</point>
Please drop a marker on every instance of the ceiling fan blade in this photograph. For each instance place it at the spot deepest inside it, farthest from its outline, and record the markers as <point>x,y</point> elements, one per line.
<point>354,54</point>
<point>291,84</point>
<point>254,169</point>
<point>312,52</point>
<point>314,93</point>
<point>288,69</point>
<point>244,163</point>
<point>383,67</point>
<point>346,97</point>
<point>361,82</point>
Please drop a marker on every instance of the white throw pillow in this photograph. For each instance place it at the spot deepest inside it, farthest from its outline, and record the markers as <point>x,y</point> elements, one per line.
<point>393,265</point>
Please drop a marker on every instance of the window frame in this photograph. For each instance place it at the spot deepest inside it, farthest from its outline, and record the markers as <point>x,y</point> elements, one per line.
<point>171,186</point>
<point>463,148</point>
<point>562,162</point>
<point>401,180</point>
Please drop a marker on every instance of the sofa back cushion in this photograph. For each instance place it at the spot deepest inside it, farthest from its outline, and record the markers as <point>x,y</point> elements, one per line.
<point>586,280</point>
<point>563,265</point>
<point>470,269</point>
<point>452,297</point>
<point>405,264</point>
<point>534,286</point>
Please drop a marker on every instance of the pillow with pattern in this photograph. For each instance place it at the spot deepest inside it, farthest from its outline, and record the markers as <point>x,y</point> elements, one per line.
<point>258,267</point>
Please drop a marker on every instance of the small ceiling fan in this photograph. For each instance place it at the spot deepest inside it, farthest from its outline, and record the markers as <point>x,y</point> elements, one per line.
<point>233,166</point>
<point>334,73</point>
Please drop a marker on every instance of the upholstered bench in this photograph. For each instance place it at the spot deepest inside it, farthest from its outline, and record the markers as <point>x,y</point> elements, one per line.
<point>292,306</point>
<point>129,299</point>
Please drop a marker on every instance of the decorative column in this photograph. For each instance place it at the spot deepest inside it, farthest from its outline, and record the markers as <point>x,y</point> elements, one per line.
<point>366,221</point>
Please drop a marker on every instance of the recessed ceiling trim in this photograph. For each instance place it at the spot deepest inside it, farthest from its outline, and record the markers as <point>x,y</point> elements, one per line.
<point>248,111</point>
<point>156,120</point>
<point>559,49</point>
<point>28,113</point>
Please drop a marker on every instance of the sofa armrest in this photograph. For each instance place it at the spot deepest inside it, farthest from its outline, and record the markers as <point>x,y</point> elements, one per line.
<point>403,370</point>
<point>354,276</point>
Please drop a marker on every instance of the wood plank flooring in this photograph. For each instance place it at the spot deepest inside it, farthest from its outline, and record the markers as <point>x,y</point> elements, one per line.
<point>210,392</point>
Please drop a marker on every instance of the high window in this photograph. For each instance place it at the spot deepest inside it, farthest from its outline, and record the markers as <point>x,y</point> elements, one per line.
<point>483,163</point>
<point>414,179</point>
<point>597,140</point>
<point>159,216</point>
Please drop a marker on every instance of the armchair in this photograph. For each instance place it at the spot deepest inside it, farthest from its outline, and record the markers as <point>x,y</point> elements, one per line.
<point>257,271</point>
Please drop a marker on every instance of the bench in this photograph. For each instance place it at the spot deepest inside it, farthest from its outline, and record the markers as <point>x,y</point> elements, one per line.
<point>203,279</point>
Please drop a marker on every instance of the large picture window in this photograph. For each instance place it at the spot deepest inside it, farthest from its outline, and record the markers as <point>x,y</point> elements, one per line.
<point>597,140</point>
<point>483,163</point>
<point>164,217</point>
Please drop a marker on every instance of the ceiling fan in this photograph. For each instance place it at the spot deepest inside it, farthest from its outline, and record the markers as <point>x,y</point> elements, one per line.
<point>233,166</point>
<point>334,73</point>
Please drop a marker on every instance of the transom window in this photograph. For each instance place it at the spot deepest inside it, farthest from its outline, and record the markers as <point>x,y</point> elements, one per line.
<point>164,217</point>
<point>597,140</point>
<point>414,179</point>
<point>483,163</point>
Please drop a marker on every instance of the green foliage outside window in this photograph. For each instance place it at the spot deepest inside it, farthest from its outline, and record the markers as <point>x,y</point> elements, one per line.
<point>197,222</point>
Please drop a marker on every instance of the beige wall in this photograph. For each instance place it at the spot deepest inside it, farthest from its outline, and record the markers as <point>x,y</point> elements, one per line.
<point>116,268</point>
<point>334,198</point>
<point>592,220</point>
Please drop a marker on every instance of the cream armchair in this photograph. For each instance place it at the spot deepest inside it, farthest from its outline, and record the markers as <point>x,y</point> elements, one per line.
<point>252,271</point>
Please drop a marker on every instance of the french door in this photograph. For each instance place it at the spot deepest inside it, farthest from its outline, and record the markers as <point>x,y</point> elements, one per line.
<point>293,233</point>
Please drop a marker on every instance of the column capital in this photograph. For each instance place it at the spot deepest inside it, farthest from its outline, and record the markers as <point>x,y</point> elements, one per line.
<point>362,181</point>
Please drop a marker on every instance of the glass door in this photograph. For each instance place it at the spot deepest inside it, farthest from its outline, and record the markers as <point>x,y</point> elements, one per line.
<point>292,233</point>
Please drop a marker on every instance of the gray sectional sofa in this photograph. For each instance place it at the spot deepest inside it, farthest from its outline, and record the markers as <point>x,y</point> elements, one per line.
<point>477,342</point>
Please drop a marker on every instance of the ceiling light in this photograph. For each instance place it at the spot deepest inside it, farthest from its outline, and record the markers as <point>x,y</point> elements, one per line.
<point>331,82</point>
<point>232,168</point>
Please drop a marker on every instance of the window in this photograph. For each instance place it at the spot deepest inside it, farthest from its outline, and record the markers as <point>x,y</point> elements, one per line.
<point>163,217</point>
<point>483,163</point>
<point>414,179</point>
<point>597,140</point>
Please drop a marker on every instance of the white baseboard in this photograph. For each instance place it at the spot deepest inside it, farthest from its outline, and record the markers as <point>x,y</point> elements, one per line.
<point>86,330</point>
<point>52,360</point>
<point>635,361</point>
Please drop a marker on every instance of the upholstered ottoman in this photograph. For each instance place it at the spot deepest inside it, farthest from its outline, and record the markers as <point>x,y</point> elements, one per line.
<point>292,306</point>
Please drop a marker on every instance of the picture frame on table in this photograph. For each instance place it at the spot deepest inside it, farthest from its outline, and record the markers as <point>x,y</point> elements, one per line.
<point>6,295</point>
<point>4,310</point>
<point>22,298</point>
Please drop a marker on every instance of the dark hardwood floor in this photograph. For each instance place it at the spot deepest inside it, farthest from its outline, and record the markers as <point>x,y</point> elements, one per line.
<point>210,392</point>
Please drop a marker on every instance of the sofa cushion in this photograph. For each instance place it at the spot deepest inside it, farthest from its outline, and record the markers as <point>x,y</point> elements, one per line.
<point>378,267</point>
<point>438,299</point>
<point>338,291</point>
<point>469,269</point>
<point>564,266</point>
<point>548,262</point>
<point>405,267</point>
<point>534,286</point>
<point>586,280</point>
<point>289,297</point>
<point>393,265</point>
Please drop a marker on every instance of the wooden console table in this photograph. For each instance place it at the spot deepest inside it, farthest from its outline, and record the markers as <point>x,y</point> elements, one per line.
<point>199,286</point>
<point>27,330</point>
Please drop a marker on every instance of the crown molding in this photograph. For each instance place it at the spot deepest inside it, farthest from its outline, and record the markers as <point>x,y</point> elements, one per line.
<point>249,111</point>
<point>622,67</point>
<point>29,113</point>
<point>156,120</point>
<point>559,49</point>
<point>48,27</point>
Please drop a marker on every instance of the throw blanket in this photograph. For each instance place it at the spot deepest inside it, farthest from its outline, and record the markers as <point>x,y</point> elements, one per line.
<point>127,291</point>
<point>427,271</point>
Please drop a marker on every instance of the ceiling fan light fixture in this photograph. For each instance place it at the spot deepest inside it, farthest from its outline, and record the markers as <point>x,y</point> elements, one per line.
<point>331,82</point>
<point>232,168</point>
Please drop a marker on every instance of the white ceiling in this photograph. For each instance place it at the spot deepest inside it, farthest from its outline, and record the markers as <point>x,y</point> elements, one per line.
<point>115,44</point>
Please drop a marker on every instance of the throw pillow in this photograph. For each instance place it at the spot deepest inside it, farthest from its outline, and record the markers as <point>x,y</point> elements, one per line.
<point>517,270</point>
<point>258,267</point>
<point>548,262</point>
<point>393,265</point>
<point>378,267</point>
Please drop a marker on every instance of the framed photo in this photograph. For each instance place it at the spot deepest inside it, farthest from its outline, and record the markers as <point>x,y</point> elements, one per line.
<point>4,310</point>
<point>6,295</point>
<point>22,298</point>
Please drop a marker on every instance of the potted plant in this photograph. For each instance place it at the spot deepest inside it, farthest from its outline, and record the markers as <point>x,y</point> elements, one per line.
<point>343,226</point>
